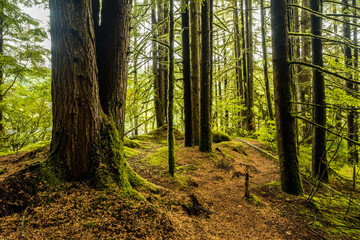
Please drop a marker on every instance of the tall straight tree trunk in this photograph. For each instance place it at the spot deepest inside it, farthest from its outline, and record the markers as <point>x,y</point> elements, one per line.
<point>205,105</point>
<point>264,50</point>
<point>243,85</point>
<point>349,86</point>
<point>155,70</point>
<point>250,81</point>
<point>237,47</point>
<point>319,165</point>
<point>356,89</point>
<point>195,69</point>
<point>305,74</point>
<point>186,74</point>
<point>171,138</point>
<point>285,124</point>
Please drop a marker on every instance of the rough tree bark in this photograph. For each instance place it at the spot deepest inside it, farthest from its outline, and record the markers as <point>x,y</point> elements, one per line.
<point>186,73</point>
<point>285,124</point>
<point>195,69</point>
<point>205,106</point>
<point>85,142</point>
<point>319,165</point>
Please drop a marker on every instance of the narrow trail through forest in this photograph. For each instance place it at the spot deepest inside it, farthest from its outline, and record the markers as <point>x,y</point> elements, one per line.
<point>204,200</point>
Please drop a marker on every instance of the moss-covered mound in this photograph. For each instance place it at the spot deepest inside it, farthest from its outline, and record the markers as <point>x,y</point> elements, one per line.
<point>131,143</point>
<point>235,146</point>
<point>219,136</point>
<point>159,134</point>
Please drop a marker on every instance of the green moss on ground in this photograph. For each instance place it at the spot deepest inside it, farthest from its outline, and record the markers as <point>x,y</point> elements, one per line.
<point>218,136</point>
<point>131,143</point>
<point>159,134</point>
<point>235,146</point>
<point>159,157</point>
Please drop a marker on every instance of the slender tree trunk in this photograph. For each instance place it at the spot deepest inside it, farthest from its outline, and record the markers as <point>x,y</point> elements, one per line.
<point>351,116</point>
<point>2,128</point>
<point>285,124</point>
<point>243,85</point>
<point>205,105</point>
<point>305,74</point>
<point>186,74</point>
<point>266,75</point>
<point>319,165</point>
<point>171,138</point>
<point>250,81</point>
<point>237,47</point>
<point>195,69</point>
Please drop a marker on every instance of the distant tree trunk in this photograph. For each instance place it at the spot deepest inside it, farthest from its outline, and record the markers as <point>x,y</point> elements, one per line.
<point>136,112</point>
<point>195,69</point>
<point>349,86</point>
<point>243,85</point>
<point>171,138</point>
<point>84,140</point>
<point>250,81</point>
<point>266,75</point>
<point>237,47</point>
<point>162,71</point>
<point>319,165</point>
<point>305,74</point>
<point>2,128</point>
<point>205,105</point>
<point>155,70</point>
<point>186,74</point>
<point>285,124</point>
<point>356,89</point>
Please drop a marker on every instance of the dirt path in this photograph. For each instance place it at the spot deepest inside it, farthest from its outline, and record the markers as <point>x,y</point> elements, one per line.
<point>219,189</point>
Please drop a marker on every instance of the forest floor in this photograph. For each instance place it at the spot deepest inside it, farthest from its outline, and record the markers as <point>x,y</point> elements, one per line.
<point>205,200</point>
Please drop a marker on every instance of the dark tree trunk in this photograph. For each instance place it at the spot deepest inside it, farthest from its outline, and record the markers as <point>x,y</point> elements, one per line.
<point>266,75</point>
<point>356,65</point>
<point>171,139</point>
<point>250,81</point>
<point>85,142</point>
<point>195,69</point>
<point>205,105</point>
<point>285,124</point>
<point>186,74</point>
<point>319,165</point>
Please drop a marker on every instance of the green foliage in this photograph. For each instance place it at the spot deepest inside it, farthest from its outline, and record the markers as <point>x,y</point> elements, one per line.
<point>267,134</point>
<point>27,115</point>
<point>218,136</point>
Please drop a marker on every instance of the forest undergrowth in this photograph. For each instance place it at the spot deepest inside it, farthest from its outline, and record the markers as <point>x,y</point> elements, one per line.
<point>205,199</point>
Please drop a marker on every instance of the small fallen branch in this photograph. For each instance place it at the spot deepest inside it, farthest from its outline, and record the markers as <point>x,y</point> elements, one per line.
<point>22,234</point>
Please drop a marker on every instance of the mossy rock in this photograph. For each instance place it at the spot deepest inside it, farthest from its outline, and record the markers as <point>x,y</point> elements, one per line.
<point>235,146</point>
<point>131,143</point>
<point>159,134</point>
<point>218,136</point>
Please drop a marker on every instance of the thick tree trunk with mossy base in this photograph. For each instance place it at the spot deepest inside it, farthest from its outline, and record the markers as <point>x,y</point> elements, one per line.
<point>85,142</point>
<point>285,124</point>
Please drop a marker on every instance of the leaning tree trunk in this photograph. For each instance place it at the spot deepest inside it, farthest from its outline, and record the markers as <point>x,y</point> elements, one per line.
<point>205,106</point>
<point>285,124</point>
<point>85,142</point>
<point>186,74</point>
<point>195,69</point>
<point>319,165</point>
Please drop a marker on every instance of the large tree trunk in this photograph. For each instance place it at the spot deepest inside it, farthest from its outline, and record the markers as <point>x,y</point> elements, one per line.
<point>319,165</point>
<point>195,69</point>
<point>186,74</point>
<point>285,124</point>
<point>205,105</point>
<point>85,142</point>
<point>113,61</point>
